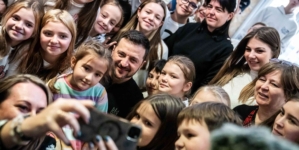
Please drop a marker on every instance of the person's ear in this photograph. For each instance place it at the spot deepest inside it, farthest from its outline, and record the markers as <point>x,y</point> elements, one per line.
<point>230,16</point>
<point>161,24</point>
<point>73,62</point>
<point>187,86</point>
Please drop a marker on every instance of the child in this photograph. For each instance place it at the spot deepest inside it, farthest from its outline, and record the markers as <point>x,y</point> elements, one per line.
<point>3,6</point>
<point>110,15</point>
<point>89,65</point>
<point>177,76</point>
<point>210,93</point>
<point>84,14</point>
<point>152,84</point>
<point>157,115</point>
<point>196,122</point>
<point>20,26</point>
<point>51,56</point>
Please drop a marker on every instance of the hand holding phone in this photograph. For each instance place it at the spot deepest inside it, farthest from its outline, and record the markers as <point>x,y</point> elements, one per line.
<point>122,132</point>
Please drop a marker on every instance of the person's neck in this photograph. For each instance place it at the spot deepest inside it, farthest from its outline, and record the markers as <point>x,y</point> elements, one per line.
<point>179,19</point>
<point>263,113</point>
<point>50,59</point>
<point>77,4</point>
<point>210,29</point>
<point>13,43</point>
<point>93,33</point>
<point>289,9</point>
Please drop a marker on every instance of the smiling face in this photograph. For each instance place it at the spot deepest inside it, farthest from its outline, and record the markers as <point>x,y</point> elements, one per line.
<point>193,136</point>
<point>24,98</point>
<point>55,39</point>
<point>109,16</point>
<point>269,91</point>
<point>184,7</point>
<point>150,17</point>
<point>257,54</point>
<point>216,16</point>
<point>146,117</point>
<point>88,71</point>
<point>172,80</point>
<point>152,82</point>
<point>127,58</point>
<point>287,122</point>
<point>20,26</point>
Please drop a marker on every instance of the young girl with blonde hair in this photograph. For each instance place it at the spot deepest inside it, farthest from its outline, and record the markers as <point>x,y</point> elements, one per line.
<point>51,56</point>
<point>177,77</point>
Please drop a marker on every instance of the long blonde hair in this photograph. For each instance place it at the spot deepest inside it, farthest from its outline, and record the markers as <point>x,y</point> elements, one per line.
<point>236,63</point>
<point>37,9</point>
<point>154,37</point>
<point>32,63</point>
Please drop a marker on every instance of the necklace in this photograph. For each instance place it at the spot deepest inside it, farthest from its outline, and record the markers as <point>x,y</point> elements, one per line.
<point>76,4</point>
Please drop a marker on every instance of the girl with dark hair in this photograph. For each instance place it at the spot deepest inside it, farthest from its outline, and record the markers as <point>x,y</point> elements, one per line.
<point>157,115</point>
<point>152,83</point>
<point>254,50</point>
<point>277,81</point>
<point>207,44</point>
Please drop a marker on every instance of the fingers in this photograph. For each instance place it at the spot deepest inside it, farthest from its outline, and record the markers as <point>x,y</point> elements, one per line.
<point>59,133</point>
<point>71,120</point>
<point>109,143</point>
<point>78,107</point>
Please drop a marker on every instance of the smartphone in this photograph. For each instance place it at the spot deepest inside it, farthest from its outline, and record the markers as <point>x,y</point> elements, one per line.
<point>122,132</point>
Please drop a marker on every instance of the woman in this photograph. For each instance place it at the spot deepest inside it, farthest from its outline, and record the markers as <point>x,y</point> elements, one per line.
<point>254,51</point>
<point>276,82</point>
<point>148,19</point>
<point>26,95</point>
<point>286,123</point>
<point>207,44</point>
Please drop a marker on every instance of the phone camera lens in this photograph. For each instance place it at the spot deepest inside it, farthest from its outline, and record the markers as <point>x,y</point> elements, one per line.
<point>134,133</point>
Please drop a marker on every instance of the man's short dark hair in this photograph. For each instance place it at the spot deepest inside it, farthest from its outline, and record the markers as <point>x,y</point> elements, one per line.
<point>137,38</point>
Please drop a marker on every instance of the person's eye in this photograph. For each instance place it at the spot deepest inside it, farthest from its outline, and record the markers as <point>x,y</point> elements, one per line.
<point>112,23</point>
<point>137,116</point>
<point>22,108</point>
<point>274,84</point>
<point>172,76</point>
<point>86,68</point>
<point>15,18</point>
<point>163,73</point>
<point>63,36</point>
<point>190,135</point>
<point>98,75</point>
<point>29,25</point>
<point>147,123</point>
<point>259,51</point>
<point>47,33</point>
<point>247,49</point>
<point>262,79</point>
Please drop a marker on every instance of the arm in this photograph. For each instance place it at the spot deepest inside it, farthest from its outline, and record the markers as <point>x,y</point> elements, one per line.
<point>55,116</point>
<point>102,102</point>
<point>171,40</point>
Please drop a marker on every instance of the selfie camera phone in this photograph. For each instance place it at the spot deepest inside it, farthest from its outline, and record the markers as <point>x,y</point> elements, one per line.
<point>122,132</point>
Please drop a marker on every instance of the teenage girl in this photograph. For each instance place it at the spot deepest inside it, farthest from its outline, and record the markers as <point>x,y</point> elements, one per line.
<point>89,65</point>
<point>177,76</point>
<point>157,115</point>
<point>20,25</point>
<point>84,13</point>
<point>110,15</point>
<point>52,54</point>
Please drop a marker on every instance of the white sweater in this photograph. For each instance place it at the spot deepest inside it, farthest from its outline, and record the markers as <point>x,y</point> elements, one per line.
<point>235,86</point>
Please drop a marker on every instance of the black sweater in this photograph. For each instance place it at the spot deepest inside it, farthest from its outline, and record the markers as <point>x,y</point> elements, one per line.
<point>207,50</point>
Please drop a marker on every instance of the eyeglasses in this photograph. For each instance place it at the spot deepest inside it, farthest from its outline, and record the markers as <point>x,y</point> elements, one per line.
<point>284,62</point>
<point>191,5</point>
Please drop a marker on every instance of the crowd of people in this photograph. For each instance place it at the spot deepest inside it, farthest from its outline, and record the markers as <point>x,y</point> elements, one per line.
<point>147,61</point>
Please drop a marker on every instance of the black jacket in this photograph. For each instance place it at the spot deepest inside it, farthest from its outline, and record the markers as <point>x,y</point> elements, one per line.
<point>207,50</point>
